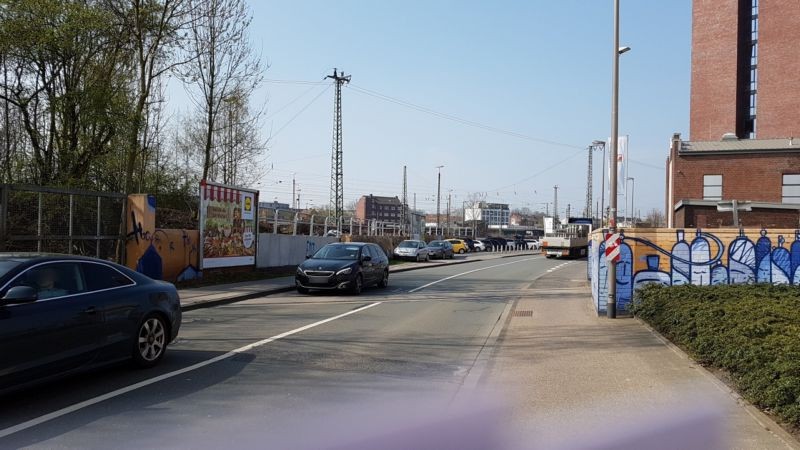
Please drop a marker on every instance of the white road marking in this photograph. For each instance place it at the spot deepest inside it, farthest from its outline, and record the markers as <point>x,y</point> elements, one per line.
<point>93,401</point>
<point>468,272</point>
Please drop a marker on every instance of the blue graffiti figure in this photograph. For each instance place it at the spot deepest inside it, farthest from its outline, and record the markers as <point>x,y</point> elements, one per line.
<point>602,278</point>
<point>681,255</point>
<point>624,277</point>
<point>795,256</point>
<point>719,274</point>
<point>700,260</point>
<point>651,275</point>
<point>763,260</point>
<point>781,263</point>
<point>742,260</point>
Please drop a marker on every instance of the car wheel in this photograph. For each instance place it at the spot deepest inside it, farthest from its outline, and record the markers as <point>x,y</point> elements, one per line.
<point>385,280</point>
<point>461,251</point>
<point>302,290</point>
<point>358,285</point>
<point>150,343</point>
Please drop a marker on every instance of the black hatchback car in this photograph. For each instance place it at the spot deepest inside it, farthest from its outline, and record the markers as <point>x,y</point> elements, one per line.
<point>346,266</point>
<point>64,314</point>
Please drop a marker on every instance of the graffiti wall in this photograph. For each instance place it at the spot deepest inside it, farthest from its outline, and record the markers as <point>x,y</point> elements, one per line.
<point>161,254</point>
<point>676,256</point>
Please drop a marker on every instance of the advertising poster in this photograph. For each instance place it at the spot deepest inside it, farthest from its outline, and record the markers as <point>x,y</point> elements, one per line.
<point>227,225</point>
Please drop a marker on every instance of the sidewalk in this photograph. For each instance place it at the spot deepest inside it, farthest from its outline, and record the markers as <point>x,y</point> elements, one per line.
<point>202,297</point>
<point>575,380</point>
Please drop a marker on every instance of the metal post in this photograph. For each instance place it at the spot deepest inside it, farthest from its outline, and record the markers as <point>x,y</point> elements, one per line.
<point>438,199</point>
<point>71,204</point>
<point>97,247</point>
<point>311,226</point>
<point>603,190</point>
<point>735,204</point>
<point>294,225</point>
<point>611,305</point>
<point>275,224</point>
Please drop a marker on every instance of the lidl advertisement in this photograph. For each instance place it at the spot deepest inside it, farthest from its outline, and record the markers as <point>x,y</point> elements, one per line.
<point>227,225</point>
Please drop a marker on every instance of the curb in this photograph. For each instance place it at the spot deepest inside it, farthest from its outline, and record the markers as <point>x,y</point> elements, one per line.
<point>252,295</point>
<point>766,422</point>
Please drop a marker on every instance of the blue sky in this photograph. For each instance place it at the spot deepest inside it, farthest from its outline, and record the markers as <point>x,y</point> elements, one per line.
<point>538,68</point>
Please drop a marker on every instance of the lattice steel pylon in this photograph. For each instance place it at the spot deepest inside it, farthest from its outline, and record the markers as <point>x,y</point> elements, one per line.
<point>337,172</point>
<point>588,211</point>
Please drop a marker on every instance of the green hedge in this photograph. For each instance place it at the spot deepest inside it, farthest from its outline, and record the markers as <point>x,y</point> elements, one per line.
<point>750,331</point>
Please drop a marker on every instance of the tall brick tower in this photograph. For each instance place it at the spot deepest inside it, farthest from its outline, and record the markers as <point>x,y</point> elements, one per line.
<point>745,69</point>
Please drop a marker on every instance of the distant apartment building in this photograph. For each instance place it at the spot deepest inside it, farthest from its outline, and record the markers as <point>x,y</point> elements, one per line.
<point>745,121</point>
<point>384,209</point>
<point>493,215</point>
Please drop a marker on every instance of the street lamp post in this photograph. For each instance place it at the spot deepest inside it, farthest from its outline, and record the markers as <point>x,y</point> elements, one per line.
<point>633,192</point>
<point>611,305</point>
<point>438,199</point>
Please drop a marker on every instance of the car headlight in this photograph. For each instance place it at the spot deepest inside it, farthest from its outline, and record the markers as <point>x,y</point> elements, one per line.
<point>345,271</point>
<point>300,271</point>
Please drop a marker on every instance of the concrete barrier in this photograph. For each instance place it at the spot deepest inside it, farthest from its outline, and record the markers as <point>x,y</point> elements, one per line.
<point>277,250</point>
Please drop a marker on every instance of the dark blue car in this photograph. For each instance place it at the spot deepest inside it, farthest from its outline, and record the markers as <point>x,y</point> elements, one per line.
<point>65,314</point>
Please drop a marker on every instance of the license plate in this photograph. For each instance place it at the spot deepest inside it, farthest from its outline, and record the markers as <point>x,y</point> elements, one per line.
<point>318,280</point>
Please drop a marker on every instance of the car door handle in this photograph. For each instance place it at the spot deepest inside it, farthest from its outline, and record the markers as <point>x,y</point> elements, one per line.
<point>90,310</point>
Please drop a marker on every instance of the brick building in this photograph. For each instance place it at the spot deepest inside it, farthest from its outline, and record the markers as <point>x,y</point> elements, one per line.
<point>384,209</point>
<point>745,120</point>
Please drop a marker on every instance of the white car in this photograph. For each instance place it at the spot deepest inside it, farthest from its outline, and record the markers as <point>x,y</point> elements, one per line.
<point>412,249</point>
<point>479,246</point>
<point>532,244</point>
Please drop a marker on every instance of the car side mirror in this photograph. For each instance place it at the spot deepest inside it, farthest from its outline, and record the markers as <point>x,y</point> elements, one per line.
<point>20,294</point>
<point>366,258</point>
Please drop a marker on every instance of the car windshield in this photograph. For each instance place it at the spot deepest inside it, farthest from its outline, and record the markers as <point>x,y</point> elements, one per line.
<point>436,244</point>
<point>338,251</point>
<point>408,244</point>
<point>6,266</point>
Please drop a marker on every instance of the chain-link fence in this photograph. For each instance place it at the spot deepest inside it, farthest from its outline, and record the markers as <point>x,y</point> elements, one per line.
<point>71,221</point>
<point>282,221</point>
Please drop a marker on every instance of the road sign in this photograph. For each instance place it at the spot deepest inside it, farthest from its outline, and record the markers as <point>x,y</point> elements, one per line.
<point>612,247</point>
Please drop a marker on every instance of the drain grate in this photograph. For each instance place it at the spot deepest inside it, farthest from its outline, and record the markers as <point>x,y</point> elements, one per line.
<point>523,313</point>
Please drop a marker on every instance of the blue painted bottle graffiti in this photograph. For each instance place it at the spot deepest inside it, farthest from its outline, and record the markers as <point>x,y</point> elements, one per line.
<point>651,275</point>
<point>719,274</point>
<point>781,263</point>
<point>742,260</point>
<point>700,261</point>
<point>795,256</point>
<point>681,255</point>
<point>763,260</point>
<point>624,277</point>
<point>602,278</point>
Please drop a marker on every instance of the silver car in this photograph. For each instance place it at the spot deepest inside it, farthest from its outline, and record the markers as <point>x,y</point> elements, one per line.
<point>411,249</point>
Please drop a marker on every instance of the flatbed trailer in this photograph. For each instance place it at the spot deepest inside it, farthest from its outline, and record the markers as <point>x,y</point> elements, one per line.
<point>568,241</point>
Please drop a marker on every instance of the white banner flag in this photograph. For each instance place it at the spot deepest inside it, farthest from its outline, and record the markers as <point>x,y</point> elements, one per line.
<point>622,163</point>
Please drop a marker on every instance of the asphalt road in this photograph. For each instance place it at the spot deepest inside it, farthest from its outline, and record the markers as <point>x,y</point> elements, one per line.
<point>287,371</point>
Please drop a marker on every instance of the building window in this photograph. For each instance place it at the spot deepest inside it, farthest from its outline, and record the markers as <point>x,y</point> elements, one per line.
<point>712,187</point>
<point>791,188</point>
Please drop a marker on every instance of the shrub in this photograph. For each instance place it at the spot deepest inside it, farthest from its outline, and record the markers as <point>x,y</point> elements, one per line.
<point>750,331</point>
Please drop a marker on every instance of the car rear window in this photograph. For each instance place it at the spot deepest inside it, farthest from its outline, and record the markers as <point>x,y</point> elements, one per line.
<point>100,276</point>
<point>6,266</point>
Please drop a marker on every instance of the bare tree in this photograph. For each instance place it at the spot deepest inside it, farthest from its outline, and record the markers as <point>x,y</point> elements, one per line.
<point>472,207</point>
<point>656,218</point>
<point>223,67</point>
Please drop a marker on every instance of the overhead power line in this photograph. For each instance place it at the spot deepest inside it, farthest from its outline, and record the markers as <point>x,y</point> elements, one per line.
<point>457,119</point>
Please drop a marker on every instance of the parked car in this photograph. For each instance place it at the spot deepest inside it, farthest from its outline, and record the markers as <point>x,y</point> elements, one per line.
<point>470,243</point>
<point>410,249</point>
<point>440,249</point>
<point>459,246</point>
<point>347,266</point>
<point>490,244</point>
<point>479,246</point>
<point>532,244</point>
<point>334,233</point>
<point>502,243</point>
<point>64,314</point>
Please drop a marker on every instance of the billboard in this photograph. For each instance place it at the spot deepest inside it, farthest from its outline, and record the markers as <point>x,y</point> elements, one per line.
<point>228,225</point>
